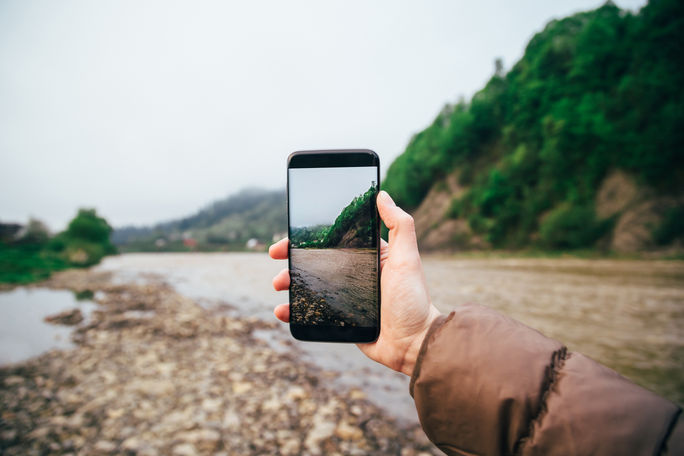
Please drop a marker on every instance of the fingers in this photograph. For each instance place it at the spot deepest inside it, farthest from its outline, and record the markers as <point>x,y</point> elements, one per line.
<point>281,281</point>
<point>278,251</point>
<point>282,313</point>
<point>402,232</point>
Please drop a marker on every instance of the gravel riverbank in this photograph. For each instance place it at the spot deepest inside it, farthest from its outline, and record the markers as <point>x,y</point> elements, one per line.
<point>155,373</point>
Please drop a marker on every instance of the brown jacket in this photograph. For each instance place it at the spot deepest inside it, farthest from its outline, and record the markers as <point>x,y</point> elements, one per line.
<point>485,384</point>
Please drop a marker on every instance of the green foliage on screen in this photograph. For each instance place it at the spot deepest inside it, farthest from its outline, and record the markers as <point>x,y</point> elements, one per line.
<point>356,226</point>
<point>596,91</point>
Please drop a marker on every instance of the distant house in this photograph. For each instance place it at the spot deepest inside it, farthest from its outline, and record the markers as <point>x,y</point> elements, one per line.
<point>252,243</point>
<point>9,231</point>
<point>190,243</point>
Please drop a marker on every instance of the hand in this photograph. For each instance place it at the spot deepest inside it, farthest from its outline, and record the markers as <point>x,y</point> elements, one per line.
<point>406,310</point>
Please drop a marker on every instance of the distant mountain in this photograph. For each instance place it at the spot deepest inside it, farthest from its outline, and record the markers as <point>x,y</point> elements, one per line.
<point>579,145</point>
<point>251,216</point>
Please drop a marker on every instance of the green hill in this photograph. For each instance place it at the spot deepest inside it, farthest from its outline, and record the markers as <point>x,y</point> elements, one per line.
<point>227,224</point>
<point>579,145</point>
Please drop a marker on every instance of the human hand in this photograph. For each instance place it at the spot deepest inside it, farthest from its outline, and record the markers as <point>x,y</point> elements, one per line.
<point>406,310</point>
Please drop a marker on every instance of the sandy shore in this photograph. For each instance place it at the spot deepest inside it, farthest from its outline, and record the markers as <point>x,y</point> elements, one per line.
<point>155,373</point>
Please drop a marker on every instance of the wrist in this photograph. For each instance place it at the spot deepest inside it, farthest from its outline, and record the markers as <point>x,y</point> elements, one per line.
<point>413,350</point>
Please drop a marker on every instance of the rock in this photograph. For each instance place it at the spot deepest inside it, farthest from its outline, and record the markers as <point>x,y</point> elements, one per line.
<point>357,394</point>
<point>104,446</point>
<point>241,387</point>
<point>212,405</point>
<point>347,432</point>
<point>296,393</point>
<point>152,387</point>
<point>290,447</point>
<point>13,380</point>
<point>230,420</point>
<point>8,435</point>
<point>199,435</point>
<point>39,433</point>
<point>184,449</point>
<point>68,317</point>
<point>321,430</point>
<point>132,444</point>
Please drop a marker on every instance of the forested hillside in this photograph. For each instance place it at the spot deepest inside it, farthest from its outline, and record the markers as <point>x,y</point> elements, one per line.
<point>227,224</point>
<point>597,97</point>
<point>355,227</point>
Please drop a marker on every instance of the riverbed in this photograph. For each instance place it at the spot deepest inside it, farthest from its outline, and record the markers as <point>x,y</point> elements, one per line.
<point>627,314</point>
<point>335,287</point>
<point>182,354</point>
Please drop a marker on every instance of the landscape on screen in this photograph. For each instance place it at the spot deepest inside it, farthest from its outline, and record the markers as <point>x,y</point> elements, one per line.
<point>334,267</point>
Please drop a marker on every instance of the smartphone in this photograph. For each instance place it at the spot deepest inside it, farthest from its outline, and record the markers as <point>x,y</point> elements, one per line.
<point>334,248</point>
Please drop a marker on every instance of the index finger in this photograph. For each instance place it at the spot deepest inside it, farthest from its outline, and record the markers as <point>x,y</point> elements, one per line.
<point>278,251</point>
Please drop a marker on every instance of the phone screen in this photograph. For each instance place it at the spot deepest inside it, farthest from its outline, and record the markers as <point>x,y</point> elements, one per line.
<point>333,231</point>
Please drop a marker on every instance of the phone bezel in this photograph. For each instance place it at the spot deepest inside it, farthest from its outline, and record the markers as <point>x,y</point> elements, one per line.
<point>332,159</point>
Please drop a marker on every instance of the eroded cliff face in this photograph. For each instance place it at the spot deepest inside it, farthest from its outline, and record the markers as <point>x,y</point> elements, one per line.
<point>435,230</point>
<point>636,211</point>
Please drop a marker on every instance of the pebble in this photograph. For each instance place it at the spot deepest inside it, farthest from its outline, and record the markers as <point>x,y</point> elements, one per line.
<point>181,381</point>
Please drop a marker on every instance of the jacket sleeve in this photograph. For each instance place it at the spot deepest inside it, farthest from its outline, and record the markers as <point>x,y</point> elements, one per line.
<point>485,384</point>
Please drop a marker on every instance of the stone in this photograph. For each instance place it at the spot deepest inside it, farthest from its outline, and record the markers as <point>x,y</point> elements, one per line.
<point>321,430</point>
<point>212,405</point>
<point>230,419</point>
<point>241,387</point>
<point>347,432</point>
<point>357,394</point>
<point>105,446</point>
<point>199,435</point>
<point>296,393</point>
<point>68,317</point>
<point>13,380</point>
<point>132,444</point>
<point>184,449</point>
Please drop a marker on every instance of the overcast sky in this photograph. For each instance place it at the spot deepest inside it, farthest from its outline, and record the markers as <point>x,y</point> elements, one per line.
<point>318,195</point>
<point>147,110</point>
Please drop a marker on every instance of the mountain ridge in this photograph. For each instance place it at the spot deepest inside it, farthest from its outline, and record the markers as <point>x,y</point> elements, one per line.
<point>253,215</point>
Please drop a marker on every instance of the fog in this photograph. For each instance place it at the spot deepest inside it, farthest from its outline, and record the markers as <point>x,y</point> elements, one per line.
<point>149,110</point>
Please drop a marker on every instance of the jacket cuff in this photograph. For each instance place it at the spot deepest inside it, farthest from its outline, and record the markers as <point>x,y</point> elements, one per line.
<point>436,324</point>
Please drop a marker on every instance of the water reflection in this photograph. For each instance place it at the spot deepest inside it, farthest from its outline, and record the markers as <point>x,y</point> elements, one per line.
<point>23,333</point>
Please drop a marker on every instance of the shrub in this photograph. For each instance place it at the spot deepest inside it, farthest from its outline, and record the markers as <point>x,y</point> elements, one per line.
<point>571,227</point>
<point>671,228</point>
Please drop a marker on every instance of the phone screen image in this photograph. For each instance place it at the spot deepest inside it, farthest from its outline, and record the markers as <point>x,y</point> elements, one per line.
<point>333,231</point>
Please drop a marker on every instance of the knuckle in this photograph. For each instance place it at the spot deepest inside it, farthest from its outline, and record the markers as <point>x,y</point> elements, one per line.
<point>407,220</point>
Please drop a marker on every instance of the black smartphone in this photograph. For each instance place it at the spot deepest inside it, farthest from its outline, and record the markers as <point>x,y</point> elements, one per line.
<point>334,249</point>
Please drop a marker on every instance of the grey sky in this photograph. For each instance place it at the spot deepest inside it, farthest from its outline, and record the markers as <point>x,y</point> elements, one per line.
<point>318,195</point>
<point>148,110</point>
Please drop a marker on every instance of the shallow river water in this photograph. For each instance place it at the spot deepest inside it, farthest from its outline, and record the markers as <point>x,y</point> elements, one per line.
<point>628,315</point>
<point>23,330</point>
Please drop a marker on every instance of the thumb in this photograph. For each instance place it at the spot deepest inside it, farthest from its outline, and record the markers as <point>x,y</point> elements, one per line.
<point>402,232</point>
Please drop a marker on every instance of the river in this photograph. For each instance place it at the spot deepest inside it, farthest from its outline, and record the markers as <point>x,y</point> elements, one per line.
<point>334,287</point>
<point>626,314</point>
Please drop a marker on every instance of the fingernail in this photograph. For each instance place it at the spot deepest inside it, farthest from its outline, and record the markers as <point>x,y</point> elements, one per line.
<point>388,199</point>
